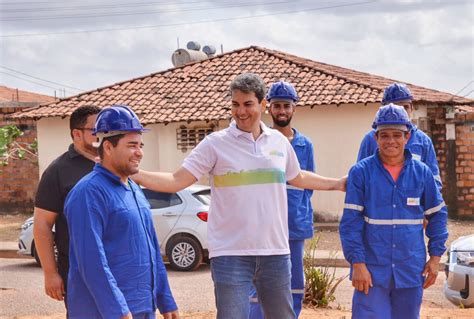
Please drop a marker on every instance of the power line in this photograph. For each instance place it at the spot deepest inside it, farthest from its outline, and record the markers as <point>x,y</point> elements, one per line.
<point>18,77</point>
<point>97,7</point>
<point>118,14</point>
<point>464,87</point>
<point>37,83</point>
<point>468,93</point>
<point>37,78</point>
<point>187,23</point>
<point>25,2</point>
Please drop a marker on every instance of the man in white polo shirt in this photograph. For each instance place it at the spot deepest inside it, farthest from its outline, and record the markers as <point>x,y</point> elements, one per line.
<point>248,164</point>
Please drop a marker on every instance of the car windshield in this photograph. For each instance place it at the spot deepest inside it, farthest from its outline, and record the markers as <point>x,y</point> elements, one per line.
<point>203,196</point>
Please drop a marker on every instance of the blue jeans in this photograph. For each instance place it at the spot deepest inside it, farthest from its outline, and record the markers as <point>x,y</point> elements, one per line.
<point>297,282</point>
<point>234,276</point>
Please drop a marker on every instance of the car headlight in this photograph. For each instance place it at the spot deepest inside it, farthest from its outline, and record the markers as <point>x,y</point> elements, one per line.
<point>27,225</point>
<point>465,258</point>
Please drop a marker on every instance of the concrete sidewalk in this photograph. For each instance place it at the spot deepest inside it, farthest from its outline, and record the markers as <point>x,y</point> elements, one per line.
<point>320,257</point>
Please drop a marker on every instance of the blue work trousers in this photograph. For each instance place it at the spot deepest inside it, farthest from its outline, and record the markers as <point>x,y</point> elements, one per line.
<point>144,315</point>
<point>387,303</point>
<point>234,276</point>
<point>297,282</point>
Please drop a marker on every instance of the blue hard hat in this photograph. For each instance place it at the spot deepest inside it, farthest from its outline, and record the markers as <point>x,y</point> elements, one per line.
<point>117,118</point>
<point>396,92</point>
<point>282,90</point>
<point>392,115</point>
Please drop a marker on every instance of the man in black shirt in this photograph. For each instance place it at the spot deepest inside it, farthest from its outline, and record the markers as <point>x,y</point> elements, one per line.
<point>56,182</point>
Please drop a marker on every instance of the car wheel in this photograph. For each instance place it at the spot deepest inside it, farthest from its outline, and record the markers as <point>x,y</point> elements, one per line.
<point>184,253</point>
<point>34,253</point>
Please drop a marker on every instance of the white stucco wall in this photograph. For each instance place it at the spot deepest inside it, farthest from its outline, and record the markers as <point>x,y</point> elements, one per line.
<point>53,140</point>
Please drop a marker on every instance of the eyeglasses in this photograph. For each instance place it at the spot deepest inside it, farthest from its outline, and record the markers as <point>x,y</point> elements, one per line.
<point>84,128</point>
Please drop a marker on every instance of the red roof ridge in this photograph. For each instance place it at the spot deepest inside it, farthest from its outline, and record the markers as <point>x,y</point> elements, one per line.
<point>314,65</point>
<point>199,90</point>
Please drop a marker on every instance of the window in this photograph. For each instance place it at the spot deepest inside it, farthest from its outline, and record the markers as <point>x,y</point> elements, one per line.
<point>203,196</point>
<point>188,138</point>
<point>161,200</point>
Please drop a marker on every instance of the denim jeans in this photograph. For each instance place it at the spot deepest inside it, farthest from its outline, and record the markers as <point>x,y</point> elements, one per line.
<point>297,282</point>
<point>234,276</point>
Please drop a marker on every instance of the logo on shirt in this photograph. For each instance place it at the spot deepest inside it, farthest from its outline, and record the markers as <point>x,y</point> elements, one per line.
<point>413,201</point>
<point>276,153</point>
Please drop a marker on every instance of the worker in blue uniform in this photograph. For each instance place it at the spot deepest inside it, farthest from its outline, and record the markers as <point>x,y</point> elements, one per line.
<point>419,144</point>
<point>388,196</point>
<point>116,270</point>
<point>282,98</point>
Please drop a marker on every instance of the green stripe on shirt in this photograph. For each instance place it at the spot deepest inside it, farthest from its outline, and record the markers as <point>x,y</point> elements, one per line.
<point>254,177</point>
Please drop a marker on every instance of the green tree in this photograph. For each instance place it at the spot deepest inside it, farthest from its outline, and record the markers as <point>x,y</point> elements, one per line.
<point>11,149</point>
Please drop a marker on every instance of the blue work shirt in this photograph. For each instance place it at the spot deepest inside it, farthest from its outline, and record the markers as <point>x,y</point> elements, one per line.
<point>115,261</point>
<point>382,223</point>
<point>419,144</point>
<point>300,211</point>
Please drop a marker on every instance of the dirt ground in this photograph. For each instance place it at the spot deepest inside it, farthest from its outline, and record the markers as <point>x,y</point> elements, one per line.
<point>10,226</point>
<point>435,313</point>
<point>329,240</point>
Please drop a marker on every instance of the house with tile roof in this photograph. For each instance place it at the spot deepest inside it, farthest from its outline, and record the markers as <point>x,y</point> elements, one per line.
<point>20,177</point>
<point>183,104</point>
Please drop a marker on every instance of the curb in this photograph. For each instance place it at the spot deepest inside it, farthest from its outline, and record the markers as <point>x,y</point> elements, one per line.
<point>326,227</point>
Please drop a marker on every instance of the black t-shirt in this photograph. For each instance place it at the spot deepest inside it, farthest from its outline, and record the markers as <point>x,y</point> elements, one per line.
<point>56,182</point>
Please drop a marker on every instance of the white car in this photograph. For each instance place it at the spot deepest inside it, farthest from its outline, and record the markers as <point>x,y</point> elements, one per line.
<point>459,286</point>
<point>180,221</point>
<point>26,243</point>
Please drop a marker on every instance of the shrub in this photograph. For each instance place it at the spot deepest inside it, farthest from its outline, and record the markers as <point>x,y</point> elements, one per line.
<point>320,282</point>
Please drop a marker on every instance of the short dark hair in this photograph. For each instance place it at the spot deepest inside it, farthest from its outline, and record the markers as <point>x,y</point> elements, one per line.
<point>79,116</point>
<point>112,139</point>
<point>249,82</point>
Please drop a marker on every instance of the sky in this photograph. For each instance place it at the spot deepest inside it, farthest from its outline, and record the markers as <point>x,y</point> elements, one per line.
<point>62,48</point>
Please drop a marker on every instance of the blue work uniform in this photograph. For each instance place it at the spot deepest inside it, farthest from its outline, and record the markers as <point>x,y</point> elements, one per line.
<point>115,262</point>
<point>382,226</point>
<point>419,144</point>
<point>300,226</point>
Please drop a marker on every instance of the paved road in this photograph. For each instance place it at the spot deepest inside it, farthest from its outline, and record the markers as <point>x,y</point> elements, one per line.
<point>21,291</point>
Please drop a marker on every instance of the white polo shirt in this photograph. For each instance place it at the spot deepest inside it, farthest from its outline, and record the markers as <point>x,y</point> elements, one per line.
<point>249,213</point>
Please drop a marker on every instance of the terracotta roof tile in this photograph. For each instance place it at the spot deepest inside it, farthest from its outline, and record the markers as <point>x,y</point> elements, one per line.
<point>8,94</point>
<point>199,91</point>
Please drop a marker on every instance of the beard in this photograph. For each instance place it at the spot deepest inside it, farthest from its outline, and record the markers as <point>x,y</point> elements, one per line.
<point>91,149</point>
<point>282,122</point>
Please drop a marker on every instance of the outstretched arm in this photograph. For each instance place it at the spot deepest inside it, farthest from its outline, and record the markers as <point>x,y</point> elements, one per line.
<point>309,180</point>
<point>165,182</point>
